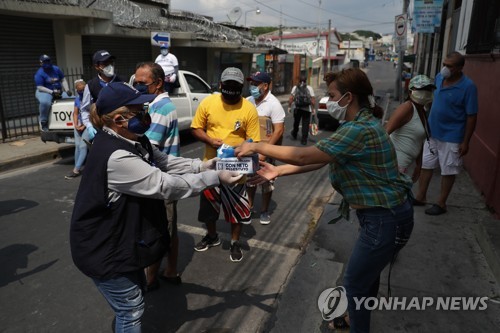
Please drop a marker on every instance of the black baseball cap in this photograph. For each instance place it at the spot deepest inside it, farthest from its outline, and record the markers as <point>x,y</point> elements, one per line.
<point>102,56</point>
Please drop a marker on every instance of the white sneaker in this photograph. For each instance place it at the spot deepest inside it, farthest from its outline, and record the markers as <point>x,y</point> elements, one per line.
<point>265,218</point>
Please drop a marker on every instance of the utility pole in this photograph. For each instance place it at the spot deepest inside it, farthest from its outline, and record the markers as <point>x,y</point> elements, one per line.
<point>328,46</point>
<point>399,72</point>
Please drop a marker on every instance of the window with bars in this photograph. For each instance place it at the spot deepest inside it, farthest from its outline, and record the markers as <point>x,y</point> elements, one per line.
<point>484,32</point>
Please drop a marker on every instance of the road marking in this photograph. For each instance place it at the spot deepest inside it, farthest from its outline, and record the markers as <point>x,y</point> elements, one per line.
<point>255,243</point>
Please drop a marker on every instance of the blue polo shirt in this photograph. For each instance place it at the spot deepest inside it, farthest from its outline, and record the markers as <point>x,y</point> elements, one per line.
<point>450,108</point>
<point>50,78</point>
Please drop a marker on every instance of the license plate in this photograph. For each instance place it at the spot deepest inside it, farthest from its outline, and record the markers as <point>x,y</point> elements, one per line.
<point>69,139</point>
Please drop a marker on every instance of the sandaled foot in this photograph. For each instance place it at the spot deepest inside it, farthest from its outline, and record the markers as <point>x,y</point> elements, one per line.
<point>435,210</point>
<point>418,202</point>
<point>339,323</point>
<point>175,280</point>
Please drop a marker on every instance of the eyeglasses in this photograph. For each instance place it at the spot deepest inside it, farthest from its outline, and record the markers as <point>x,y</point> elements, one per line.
<point>136,83</point>
<point>142,116</point>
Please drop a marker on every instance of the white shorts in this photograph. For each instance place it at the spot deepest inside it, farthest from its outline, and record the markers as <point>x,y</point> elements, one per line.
<point>446,155</point>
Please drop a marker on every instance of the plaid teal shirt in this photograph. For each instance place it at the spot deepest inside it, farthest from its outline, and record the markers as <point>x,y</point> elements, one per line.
<point>364,168</point>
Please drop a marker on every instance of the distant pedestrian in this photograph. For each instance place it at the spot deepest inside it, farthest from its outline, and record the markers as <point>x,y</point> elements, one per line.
<point>104,64</point>
<point>170,66</point>
<point>164,134</point>
<point>304,103</point>
<point>268,106</point>
<point>80,132</point>
<point>50,85</point>
<point>118,226</point>
<point>452,121</point>
<point>363,169</point>
<point>225,118</point>
<point>408,126</point>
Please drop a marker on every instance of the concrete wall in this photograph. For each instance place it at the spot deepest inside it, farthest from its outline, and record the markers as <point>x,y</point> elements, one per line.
<point>483,160</point>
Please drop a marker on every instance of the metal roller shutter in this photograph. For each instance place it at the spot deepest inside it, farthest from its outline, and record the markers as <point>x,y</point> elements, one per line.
<point>22,41</point>
<point>128,52</point>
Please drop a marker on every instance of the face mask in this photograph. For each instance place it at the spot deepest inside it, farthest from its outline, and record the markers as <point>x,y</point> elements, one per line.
<point>164,51</point>
<point>46,65</point>
<point>142,88</point>
<point>335,110</point>
<point>255,92</point>
<point>445,72</point>
<point>139,124</point>
<point>80,94</point>
<point>109,70</point>
<point>421,97</point>
<point>231,93</point>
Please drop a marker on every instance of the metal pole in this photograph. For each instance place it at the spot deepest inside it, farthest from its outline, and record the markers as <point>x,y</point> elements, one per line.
<point>328,47</point>
<point>399,71</point>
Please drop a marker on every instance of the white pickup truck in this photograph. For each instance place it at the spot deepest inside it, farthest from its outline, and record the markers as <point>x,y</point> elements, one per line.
<point>193,89</point>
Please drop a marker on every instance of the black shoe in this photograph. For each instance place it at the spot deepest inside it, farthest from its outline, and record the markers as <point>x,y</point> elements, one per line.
<point>236,254</point>
<point>294,136</point>
<point>72,175</point>
<point>207,242</point>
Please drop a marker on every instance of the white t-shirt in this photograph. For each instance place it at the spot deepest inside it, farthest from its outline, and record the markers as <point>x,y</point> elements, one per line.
<point>167,62</point>
<point>270,107</point>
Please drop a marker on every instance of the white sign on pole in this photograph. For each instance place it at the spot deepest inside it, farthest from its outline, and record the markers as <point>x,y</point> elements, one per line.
<point>160,38</point>
<point>400,32</point>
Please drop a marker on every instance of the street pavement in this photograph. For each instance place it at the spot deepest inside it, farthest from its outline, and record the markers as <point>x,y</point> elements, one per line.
<point>452,255</point>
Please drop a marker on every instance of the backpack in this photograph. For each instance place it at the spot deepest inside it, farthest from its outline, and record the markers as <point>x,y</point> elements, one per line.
<point>302,97</point>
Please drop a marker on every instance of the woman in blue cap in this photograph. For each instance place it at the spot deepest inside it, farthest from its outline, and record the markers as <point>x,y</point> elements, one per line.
<point>118,226</point>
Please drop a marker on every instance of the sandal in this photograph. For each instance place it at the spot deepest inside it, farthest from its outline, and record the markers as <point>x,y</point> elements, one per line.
<point>435,210</point>
<point>339,323</point>
<point>418,202</point>
<point>175,280</point>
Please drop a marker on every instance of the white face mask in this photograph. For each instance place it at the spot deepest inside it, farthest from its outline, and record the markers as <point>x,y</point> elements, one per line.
<point>109,70</point>
<point>421,97</point>
<point>445,72</point>
<point>335,110</point>
<point>164,51</point>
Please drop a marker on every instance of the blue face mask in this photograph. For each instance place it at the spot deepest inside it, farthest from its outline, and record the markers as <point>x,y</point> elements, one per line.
<point>141,87</point>
<point>80,94</point>
<point>140,123</point>
<point>255,92</point>
<point>46,65</point>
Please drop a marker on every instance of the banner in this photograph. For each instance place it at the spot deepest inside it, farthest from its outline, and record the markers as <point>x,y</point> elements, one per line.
<point>426,15</point>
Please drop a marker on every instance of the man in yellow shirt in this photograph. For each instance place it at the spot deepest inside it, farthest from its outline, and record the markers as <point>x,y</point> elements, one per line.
<point>225,118</point>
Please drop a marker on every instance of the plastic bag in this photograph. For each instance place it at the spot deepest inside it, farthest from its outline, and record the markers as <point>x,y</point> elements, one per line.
<point>313,125</point>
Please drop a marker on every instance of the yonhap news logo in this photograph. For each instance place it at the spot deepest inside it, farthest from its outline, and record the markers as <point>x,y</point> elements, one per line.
<point>332,303</point>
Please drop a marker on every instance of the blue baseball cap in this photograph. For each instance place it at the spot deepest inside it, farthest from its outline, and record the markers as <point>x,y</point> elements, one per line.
<point>44,57</point>
<point>260,77</point>
<point>118,94</point>
<point>102,56</point>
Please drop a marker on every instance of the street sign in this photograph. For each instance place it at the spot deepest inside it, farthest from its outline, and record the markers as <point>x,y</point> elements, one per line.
<point>400,32</point>
<point>160,38</point>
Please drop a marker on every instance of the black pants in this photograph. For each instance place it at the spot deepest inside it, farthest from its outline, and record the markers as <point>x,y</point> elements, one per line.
<point>305,115</point>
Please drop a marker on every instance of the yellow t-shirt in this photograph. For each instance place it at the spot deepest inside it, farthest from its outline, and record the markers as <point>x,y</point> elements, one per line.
<point>233,124</point>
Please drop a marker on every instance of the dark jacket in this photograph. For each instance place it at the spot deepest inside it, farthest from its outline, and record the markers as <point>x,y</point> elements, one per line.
<point>112,238</point>
<point>95,86</point>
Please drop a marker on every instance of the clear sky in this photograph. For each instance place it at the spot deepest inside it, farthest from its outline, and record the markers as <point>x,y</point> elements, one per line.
<point>346,15</point>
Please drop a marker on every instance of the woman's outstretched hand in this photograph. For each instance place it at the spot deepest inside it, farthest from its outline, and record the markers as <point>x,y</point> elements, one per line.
<point>245,149</point>
<point>265,173</point>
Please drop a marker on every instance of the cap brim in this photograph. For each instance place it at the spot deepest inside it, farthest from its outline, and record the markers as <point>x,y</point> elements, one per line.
<point>111,57</point>
<point>141,99</point>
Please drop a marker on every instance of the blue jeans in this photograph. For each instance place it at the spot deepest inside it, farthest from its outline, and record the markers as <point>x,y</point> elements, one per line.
<point>80,148</point>
<point>124,294</point>
<point>45,100</point>
<point>383,233</point>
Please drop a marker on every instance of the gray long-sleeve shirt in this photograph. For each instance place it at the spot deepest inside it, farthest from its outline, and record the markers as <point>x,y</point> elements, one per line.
<point>172,178</point>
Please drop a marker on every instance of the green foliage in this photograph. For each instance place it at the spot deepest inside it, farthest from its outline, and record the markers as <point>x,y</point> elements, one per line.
<point>347,36</point>
<point>257,31</point>
<point>367,34</point>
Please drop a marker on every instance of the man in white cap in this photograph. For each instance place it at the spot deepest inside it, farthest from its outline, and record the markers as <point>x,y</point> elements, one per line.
<point>225,118</point>
<point>170,66</point>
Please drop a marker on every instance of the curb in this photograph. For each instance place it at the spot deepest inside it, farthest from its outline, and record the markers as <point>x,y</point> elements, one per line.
<point>28,160</point>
